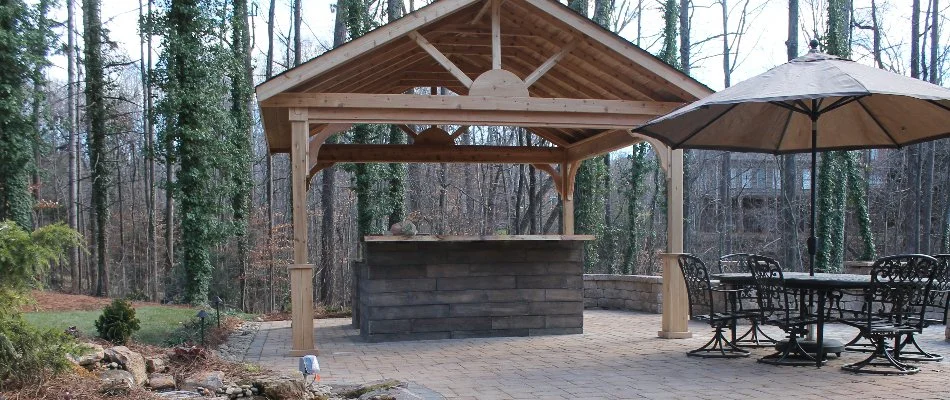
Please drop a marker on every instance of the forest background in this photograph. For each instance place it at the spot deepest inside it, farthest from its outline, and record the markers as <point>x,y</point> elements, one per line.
<point>135,122</point>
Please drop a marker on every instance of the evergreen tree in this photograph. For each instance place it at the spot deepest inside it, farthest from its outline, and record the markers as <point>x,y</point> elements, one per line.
<point>191,117</point>
<point>16,131</point>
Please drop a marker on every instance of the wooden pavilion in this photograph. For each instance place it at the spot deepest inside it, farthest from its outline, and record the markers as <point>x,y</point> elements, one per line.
<point>527,63</point>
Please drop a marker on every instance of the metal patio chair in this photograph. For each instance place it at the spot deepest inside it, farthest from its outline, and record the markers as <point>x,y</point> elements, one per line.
<point>935,313</point>
<point>745,304</point>
<point>702,306</point>
<point>779,306</point>
<point>895,305</point>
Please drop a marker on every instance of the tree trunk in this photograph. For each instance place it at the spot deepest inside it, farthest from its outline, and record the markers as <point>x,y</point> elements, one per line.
<point>790,183</point>
<point>297,25</point>
<point>269,171</point>
<point>96,113</point>
<point>74,156</point>
<point>242,103</point>
<point>328,189</point>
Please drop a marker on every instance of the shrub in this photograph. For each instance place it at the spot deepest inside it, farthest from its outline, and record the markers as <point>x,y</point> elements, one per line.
<point>29,356</point>
<point>117,322</point>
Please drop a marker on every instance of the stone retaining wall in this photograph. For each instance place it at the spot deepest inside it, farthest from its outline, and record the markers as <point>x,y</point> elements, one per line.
<point>441,290</point>
<point>624,292</point>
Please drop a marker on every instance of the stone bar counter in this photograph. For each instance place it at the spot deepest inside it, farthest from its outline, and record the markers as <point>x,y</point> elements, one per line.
<point>446,287</point>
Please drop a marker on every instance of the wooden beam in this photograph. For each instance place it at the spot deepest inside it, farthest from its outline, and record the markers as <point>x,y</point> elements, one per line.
<point>481,12</point>
<point>461,104</point>
<point>547,65</point>
<point>496,33</point>
<point>414,153</point>
<point>349,51</point>
<point>301,272</point>
<point>604,142</point>
<point>441,58</point>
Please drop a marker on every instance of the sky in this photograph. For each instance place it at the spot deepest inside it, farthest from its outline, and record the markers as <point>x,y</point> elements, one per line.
<point>762,47</point>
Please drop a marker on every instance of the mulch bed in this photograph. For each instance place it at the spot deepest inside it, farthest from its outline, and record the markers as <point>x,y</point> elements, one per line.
<point>53,301</point>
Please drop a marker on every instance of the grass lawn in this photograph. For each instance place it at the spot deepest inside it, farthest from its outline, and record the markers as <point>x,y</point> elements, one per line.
<point>157,322</point>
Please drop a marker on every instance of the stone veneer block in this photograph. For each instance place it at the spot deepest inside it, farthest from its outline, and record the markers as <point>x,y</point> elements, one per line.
<point>428,287</point>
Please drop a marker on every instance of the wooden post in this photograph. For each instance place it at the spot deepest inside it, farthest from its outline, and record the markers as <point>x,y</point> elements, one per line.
<point>568,172</point>
<point>675,300</point>
<point>301,271</point>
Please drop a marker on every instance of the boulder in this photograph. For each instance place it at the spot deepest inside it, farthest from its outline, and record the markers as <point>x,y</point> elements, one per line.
<point>211,380</point>
<point>90,355</point>
<point>116,382</point>
<point>282,387</point>
<point>155,365</point>
<point>161,382</point>
<point>130,361</point>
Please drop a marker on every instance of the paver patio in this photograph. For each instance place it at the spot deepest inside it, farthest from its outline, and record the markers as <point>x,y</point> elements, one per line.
<point>617,357</point>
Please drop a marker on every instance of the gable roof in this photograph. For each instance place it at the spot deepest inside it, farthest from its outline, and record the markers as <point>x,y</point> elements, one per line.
<point>597,64</point>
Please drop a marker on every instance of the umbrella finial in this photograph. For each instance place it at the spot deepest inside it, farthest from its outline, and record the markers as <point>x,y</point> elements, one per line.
<point>813,44</point>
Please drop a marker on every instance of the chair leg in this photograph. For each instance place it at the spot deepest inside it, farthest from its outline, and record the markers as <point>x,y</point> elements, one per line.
<point>881,362</point>
<point>860,343</point>
<point>718,347</point>
<point>754,337</point>
<point>917,354</point>
<point>791,355</point>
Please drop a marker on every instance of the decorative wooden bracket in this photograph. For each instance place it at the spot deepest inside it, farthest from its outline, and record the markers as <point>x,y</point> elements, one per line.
<point>318,137</point>
<point>663,152</point>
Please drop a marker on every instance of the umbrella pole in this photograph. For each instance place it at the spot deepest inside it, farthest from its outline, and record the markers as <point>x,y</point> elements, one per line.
<point>812,239</point>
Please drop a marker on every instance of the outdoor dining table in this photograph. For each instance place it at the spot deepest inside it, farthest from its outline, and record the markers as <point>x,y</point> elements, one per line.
<point>820,284</point>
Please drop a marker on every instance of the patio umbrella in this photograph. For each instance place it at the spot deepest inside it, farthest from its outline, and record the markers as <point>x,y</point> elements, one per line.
<point>782,110</point>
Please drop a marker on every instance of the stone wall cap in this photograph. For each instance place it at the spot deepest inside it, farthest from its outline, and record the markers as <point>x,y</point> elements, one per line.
<point>625,278</point>
<point>486,238</point>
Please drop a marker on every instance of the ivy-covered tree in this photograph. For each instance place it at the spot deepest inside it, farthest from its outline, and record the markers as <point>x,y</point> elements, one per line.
<point>634,189</point>
<point>192,118</point>
<point>16,131</point>
<point>242,101</point>
<point>590,191</point>
<point>840,185</point>
<point>100,172</point>
<point>365,176</point>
